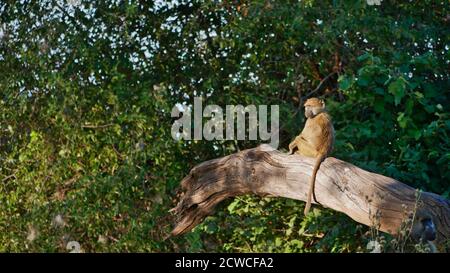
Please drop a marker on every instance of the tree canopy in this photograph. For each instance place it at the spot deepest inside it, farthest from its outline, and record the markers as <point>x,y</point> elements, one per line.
<point>87,88</point>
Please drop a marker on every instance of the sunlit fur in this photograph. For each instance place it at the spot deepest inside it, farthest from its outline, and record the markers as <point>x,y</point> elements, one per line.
<point>313,107</point>
<point>315,140</point>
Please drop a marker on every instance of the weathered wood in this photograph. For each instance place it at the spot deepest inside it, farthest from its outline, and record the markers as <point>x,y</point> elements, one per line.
<point>368,198</point>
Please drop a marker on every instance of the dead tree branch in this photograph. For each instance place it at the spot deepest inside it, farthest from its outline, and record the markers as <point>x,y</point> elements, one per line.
<point>340,186</point>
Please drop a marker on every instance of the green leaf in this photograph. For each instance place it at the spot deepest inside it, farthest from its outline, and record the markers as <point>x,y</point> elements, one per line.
<point>397,88</point>
<point>402,120</point>
<point>417,134</point>
<point>232,206</point>
<point>409,106</point>
<point>379,90</point>
<point>418,95</point>
<point>278,241</point>
<point>345,82</point>
<point>364,57</point>
<point>379,105</point>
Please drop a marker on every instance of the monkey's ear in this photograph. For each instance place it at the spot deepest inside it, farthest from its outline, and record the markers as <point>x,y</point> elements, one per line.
<point>323,103</point>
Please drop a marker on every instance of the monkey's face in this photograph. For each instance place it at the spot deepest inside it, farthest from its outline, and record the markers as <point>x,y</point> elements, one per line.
<point>313,106</point>
<point>423,228</point>
<point>309,113</point>
<point>429,230</point>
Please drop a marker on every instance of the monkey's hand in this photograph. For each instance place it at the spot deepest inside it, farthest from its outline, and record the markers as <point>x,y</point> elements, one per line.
<point>291,147</point>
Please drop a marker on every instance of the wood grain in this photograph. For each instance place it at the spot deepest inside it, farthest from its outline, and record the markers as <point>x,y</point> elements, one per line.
<point>368,198</point>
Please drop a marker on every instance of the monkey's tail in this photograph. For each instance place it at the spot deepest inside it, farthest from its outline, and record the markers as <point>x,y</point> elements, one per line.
<point>311,193</point>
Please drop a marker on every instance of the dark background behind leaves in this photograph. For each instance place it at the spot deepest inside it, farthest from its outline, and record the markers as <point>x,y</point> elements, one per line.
<point>86,91</point>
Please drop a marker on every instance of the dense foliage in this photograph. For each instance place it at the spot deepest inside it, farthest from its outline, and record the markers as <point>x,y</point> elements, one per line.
<point>86,90</point>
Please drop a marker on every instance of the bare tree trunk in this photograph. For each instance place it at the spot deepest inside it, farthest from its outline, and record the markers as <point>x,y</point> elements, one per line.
<point>368,198</point>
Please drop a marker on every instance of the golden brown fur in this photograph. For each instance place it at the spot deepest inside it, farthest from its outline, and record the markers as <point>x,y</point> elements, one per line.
<point>315,140</point>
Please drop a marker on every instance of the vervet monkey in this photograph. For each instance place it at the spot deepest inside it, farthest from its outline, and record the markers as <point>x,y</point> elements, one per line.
<point>315,140</point>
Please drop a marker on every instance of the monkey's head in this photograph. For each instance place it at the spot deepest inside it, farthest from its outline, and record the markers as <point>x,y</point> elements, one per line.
<point>423,228</point>
<point>314,106</point>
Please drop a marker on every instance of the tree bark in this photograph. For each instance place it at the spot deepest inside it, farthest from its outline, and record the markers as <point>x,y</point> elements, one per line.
<point>368,198</point>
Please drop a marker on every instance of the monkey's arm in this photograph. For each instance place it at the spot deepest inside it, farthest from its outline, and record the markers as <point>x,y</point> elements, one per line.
<point>295,144</point>
<point>304,147</point>
<point>292,146</point>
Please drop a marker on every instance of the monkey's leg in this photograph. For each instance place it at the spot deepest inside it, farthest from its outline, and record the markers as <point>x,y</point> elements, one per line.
<point>305,149</point>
